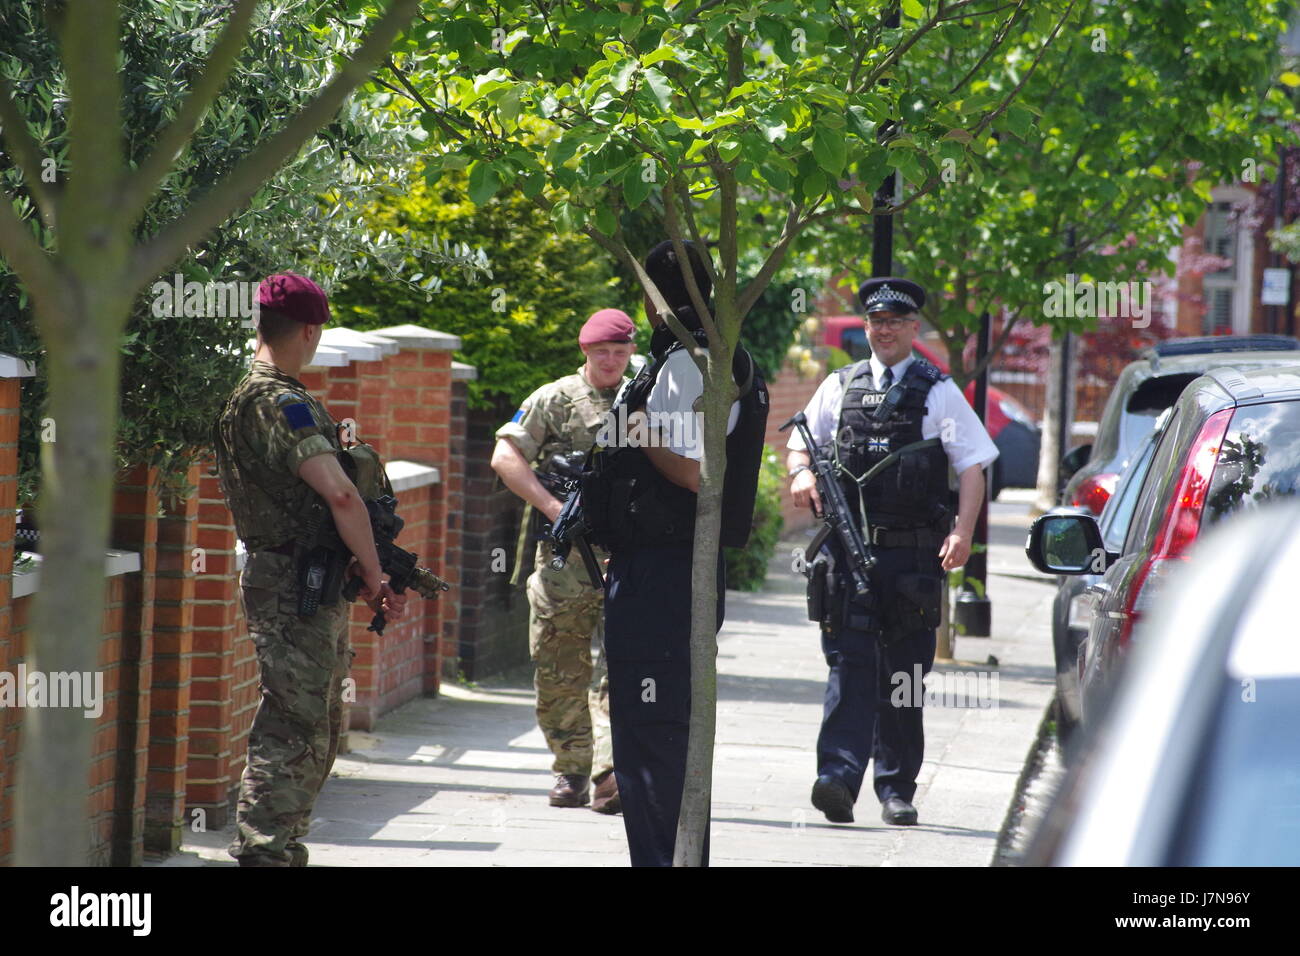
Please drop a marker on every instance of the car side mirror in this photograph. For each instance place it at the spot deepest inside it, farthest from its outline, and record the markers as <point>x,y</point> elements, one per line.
<point>1068,544</point>
<point>1075,459</point>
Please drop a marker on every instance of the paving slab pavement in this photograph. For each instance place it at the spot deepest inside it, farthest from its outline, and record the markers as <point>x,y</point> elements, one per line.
<point>461,780</point>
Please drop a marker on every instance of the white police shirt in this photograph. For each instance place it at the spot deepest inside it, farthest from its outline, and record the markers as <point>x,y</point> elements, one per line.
<point>948,417</point>
<point>676,391</point>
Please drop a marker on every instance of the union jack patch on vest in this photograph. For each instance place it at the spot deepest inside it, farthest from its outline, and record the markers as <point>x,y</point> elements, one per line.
<point>878,444</point>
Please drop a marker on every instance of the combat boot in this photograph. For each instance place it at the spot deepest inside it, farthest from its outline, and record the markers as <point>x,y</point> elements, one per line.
<point>606,799</point>
<point>571,790</point>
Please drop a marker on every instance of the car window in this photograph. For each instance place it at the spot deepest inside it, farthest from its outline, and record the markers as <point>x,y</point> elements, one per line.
<point>1258,462</point>
<point>1144,406</point>
<point>1166,465</point>
<point>1251,760</point>
<point>854,342</point>
<point>1118,513</point>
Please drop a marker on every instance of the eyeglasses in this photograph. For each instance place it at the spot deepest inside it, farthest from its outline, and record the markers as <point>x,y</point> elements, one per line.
<point>893,324</point>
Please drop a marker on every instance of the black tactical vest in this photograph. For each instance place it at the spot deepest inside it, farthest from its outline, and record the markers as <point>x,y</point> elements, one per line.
<point>913,491</point>
<point>629,504</point>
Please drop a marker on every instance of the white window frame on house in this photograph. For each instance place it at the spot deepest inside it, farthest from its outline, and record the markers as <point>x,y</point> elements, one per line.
<point>1238,283</point>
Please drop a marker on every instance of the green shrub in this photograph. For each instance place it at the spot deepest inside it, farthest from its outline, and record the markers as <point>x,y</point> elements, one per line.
<point>747,567</point>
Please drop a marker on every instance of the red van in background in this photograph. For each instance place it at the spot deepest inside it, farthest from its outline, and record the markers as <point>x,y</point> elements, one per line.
<point>1009,423</point>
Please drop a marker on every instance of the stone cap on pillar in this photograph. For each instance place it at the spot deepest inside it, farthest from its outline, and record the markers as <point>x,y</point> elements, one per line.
<point>417,337</point>
<point>460,372</point>
<point>327,356</point>
<point>358,346</point>
<point>13,367</point>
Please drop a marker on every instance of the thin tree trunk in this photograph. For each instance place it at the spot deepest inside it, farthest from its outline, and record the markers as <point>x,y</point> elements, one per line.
<point>51,809</point>
<point>693,821</point>
<point>1049,451</point>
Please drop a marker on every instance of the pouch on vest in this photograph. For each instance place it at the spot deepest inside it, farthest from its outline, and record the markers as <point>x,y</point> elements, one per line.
<point>859,611</point>
<point>818,599</point>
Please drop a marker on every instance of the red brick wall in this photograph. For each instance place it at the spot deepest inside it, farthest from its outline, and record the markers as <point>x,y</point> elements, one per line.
<point>223,671</point>
<point>180,673</point>
<point>494,616</point>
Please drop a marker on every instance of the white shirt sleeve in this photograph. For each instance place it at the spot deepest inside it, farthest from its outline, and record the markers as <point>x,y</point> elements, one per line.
<point>949,417</point>
<point>822,412</point>
<point>671,406</point>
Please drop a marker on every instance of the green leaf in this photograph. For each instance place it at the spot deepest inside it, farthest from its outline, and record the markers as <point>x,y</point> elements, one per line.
<point>773,128</point>
<point>508,108</point>
<point>635,188</point>
<point>606,221</point>
<point>861,124</point>
<point>621,76</point>
<point>913,9</point>
<point>661,88</point>
<point>830,150</point>
<point>813,185</point>
<point>483,183</point>
<point>1290,78</point>
<point>729,150</point>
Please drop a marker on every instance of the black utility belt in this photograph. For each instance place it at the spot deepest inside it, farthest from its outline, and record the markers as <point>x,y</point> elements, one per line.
<point>907,537</point>
<point>289,548</point>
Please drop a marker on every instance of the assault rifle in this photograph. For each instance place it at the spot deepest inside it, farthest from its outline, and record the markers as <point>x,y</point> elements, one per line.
<point>570,528</point>
<point>835,510</point>
<point>327,558</point>
<point>565,470</point>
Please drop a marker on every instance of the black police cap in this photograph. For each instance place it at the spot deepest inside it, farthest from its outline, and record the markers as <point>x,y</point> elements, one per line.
<point>891,294</point>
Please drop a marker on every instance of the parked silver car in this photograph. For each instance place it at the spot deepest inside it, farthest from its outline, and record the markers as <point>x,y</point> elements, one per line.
<point>1197,760</point>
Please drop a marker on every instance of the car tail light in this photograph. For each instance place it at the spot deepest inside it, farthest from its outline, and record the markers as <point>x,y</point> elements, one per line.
<point>1181,523</point>
<point>1095,490</point>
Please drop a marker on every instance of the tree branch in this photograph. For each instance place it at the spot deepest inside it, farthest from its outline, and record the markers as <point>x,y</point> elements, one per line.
<point>990,117</point>
<point>26,153</point>
<point>216,205</point>
<point>32,264</point>
<point>757,285</point>
<point>998,40</point>
<point>173,141</point>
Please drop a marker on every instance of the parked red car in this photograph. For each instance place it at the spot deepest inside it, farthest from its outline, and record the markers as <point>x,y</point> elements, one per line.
<point>1009,423</point>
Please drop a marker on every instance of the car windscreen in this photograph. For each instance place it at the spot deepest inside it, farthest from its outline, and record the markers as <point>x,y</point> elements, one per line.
<point>1259,460</point>
<point>1243,808</point>
<point>1144,406</point>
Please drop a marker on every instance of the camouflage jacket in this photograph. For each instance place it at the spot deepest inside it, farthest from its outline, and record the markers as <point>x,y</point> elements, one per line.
<point>270,425</point>
<point>561,416</point>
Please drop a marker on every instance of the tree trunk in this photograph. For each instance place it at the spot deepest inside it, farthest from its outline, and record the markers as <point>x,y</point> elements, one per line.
<point>693,821</point>
<point>1050,452</point>
<point>83,359</point>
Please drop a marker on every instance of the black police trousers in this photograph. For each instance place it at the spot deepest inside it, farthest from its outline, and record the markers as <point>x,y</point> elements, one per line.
<point>873,708</point>
<point>647,648</point>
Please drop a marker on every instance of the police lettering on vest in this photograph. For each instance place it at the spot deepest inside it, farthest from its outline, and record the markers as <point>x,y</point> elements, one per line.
<point>912,489</point>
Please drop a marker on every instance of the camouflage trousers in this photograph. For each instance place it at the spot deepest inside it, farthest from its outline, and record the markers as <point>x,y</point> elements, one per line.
<point>295,734</point>
<point>565,614</point>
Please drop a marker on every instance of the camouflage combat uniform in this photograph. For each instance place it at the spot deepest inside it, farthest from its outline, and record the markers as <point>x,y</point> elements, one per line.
<point>269,427</point>
<point>565,610</point>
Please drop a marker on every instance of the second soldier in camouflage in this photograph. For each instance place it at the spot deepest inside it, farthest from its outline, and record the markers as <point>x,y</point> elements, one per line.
<point>560,418</point>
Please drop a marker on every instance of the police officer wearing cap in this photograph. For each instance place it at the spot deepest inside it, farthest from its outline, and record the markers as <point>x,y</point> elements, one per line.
<point>896,416</point>
<point>278,458</point>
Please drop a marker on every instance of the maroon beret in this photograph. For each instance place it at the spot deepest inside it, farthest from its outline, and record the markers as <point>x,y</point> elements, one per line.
<point>607,325</point>
<point>295,297</point>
